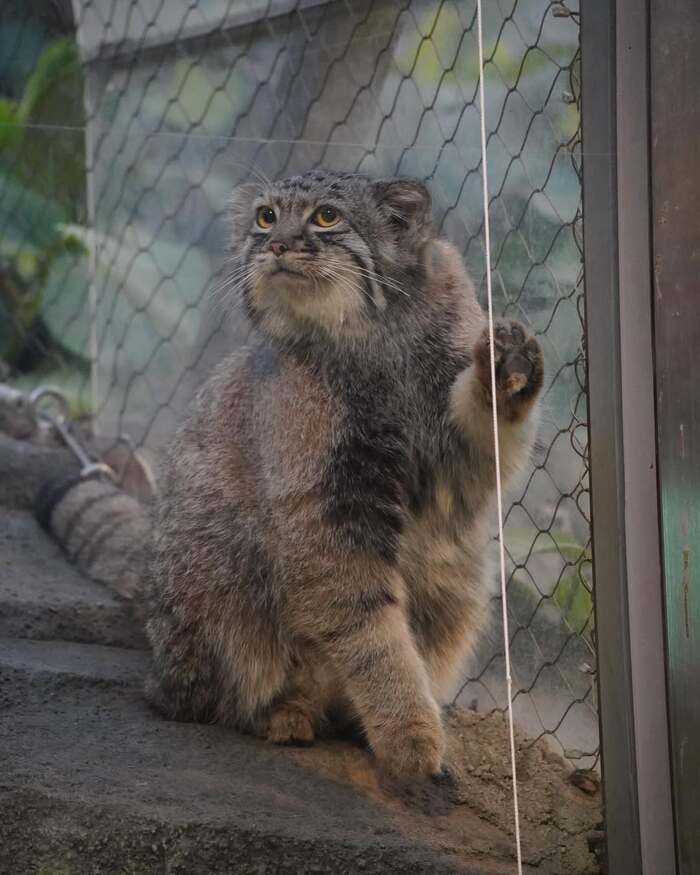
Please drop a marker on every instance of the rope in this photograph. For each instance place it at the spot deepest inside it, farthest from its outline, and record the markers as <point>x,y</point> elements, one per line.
<point>497,452</point>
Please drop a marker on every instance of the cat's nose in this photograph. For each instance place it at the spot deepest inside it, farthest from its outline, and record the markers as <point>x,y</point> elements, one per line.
<point>279,247</point>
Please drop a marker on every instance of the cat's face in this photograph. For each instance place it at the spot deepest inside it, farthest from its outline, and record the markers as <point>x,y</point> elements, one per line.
<point>325,250</point>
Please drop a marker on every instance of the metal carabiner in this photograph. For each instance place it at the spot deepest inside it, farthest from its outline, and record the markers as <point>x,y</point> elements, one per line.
<point>61,424</point>
<point>41,392</point>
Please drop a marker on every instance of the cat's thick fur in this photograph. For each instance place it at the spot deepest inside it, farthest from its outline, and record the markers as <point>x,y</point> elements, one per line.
<point>325,510</point>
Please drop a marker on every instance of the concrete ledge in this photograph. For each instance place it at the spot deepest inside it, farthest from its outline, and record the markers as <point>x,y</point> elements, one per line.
<point>50,838</point>
<point>25,467</point>
<point>92,782</point>
<point>95,782</point>
<point>43,597</point>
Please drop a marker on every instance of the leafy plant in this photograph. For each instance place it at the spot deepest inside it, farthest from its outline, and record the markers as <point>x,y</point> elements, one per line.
<point>48,97</point>
<point>571,593</point>
<point>22,280</point>
<point>42,178</point>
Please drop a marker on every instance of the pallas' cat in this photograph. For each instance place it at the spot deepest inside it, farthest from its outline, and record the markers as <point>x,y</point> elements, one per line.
<point>324,511</point>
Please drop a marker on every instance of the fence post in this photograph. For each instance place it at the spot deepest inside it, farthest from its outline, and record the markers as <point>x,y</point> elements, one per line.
<point>626,544</point>
<point>675,127</point>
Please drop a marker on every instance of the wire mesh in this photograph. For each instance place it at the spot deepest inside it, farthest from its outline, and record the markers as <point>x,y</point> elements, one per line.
<point>124,126</point>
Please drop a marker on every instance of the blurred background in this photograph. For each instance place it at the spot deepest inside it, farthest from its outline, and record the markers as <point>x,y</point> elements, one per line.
<point>123,128</point>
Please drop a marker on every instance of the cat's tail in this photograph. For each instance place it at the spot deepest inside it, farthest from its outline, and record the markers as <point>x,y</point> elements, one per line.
<point>104,531</point>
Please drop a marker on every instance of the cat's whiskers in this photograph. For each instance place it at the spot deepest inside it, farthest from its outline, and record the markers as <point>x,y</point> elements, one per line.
<point>233,265</point>
<point>351,279</point>
<point>356,274</point>
<point>348,282</point>
<point>381,280</point>
<point>225,294</point>
<point>231,281</point>
<point>369,274</point>
<point>217,292</point>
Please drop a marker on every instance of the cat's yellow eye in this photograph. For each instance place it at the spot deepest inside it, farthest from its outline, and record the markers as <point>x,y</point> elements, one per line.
<point>326,217</point>
<point>265,218</point>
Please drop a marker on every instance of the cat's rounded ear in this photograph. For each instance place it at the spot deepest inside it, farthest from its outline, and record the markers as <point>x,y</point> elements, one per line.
<point>408,201</point>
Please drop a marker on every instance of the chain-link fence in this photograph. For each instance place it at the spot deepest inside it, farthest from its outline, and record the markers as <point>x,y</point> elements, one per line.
<point>124,126</point>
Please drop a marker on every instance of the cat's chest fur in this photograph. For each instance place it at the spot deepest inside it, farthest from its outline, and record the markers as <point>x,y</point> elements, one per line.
<point>400,482</point>
<point>366,442</point>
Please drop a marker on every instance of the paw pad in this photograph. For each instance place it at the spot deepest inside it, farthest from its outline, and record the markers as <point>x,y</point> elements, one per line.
<point>519,363</point>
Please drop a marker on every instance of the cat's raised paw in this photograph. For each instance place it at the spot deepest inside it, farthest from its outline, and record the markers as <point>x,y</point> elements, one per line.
<point>519,366</point>
<point>290,725</point>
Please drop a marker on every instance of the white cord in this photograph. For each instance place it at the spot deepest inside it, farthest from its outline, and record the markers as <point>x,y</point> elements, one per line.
<point>499,496</point>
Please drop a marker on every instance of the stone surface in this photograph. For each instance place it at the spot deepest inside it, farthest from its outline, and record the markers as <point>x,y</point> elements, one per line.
<point>110,787</point>
<point>41,596</point>
<point>93,782</point>
<point>25,467</point>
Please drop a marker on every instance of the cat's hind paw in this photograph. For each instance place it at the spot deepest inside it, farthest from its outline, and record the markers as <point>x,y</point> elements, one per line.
<point>290,725</point>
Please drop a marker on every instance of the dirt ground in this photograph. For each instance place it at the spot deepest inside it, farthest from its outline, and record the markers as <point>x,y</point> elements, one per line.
<point>559,821</point>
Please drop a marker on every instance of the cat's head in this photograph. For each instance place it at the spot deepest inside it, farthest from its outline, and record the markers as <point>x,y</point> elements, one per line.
<point>327,251</point>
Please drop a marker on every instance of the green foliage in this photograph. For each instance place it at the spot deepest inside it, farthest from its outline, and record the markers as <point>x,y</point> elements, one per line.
<point>512,62</point>
<point>22,281</point>
<point>42,179</point>
<point>10,128</point>
<point>572,592</point>
<point>38,158</point>
<point>58,65</point>
<point>200,102</point>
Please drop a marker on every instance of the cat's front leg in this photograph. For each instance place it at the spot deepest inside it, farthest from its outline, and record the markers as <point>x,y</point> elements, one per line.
<point>388,684</point>
<point>519,378</point>
<point>364,630</point>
